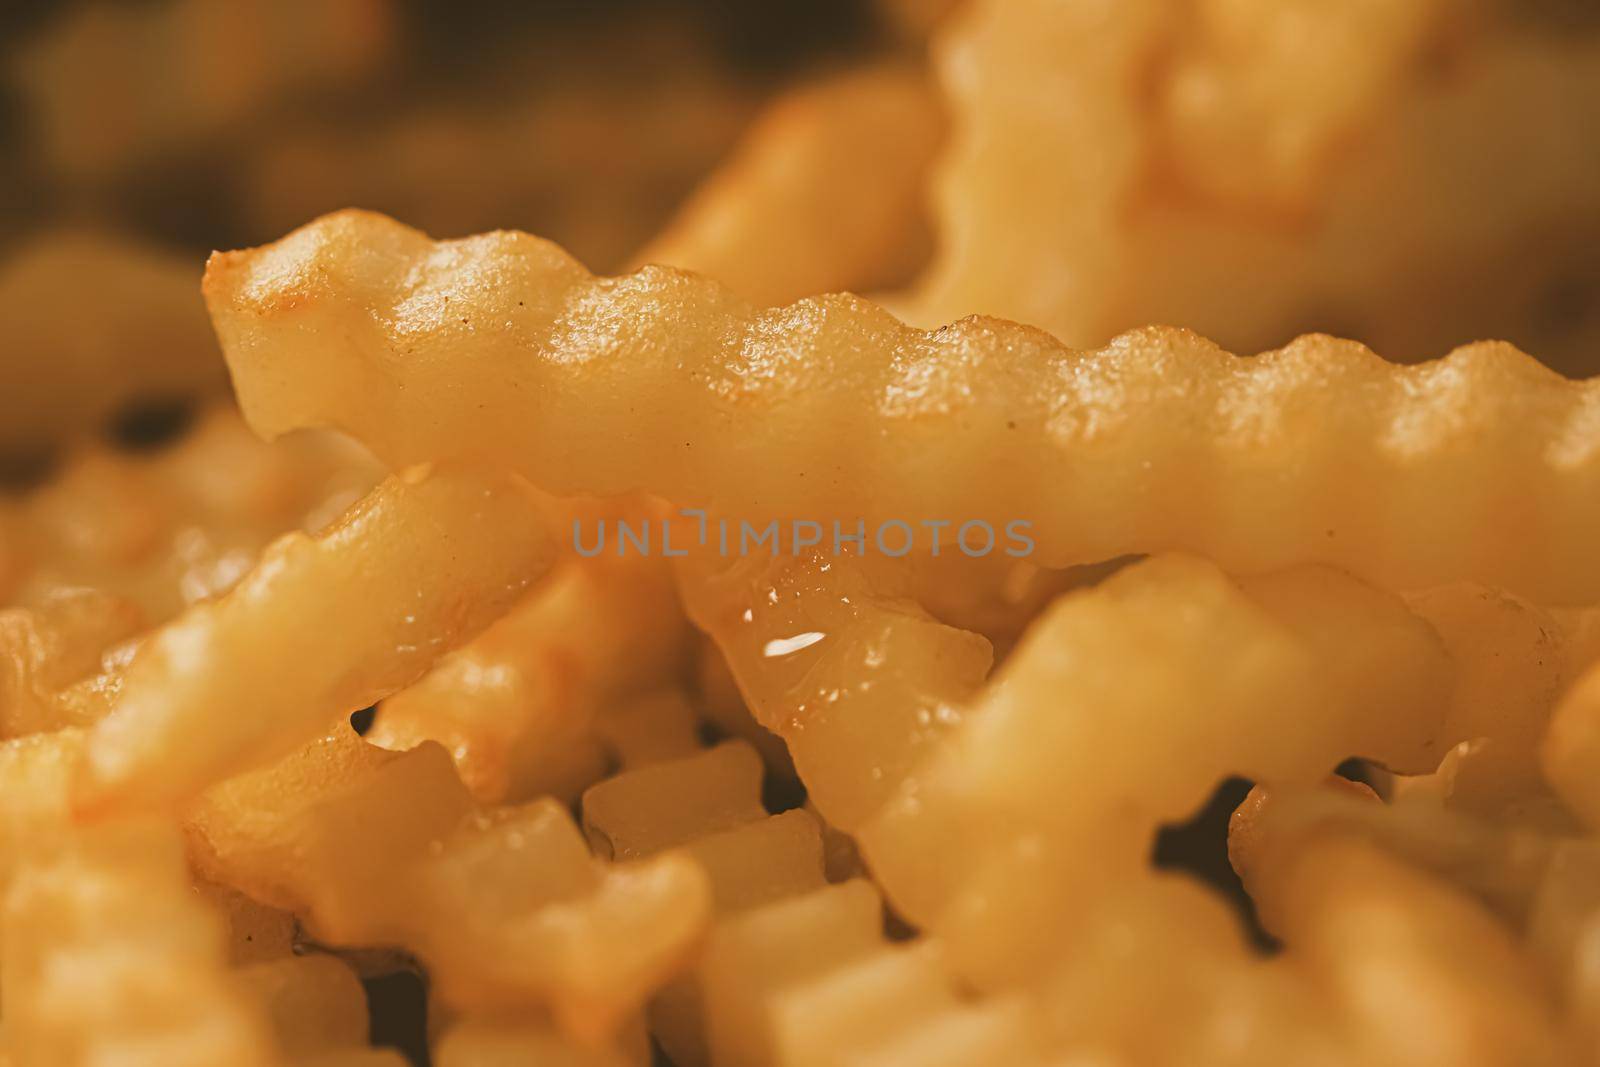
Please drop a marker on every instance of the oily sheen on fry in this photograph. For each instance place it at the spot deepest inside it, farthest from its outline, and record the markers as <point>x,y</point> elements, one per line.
<point>1480,466</point>
<point>321,627</point>
<point>974,799</point>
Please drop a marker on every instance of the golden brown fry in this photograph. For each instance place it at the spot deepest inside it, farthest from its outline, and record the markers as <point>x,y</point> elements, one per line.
<point>95,322</point>
<point>44,650</point>
<point>35,778</point>
<point>641,812</point>
<point>507,909</point>
<point>318,832</point>
<point>1045,128</point>
<point>996,597</point>
<point>116,86</point>
<point>314,1003</point>
<point>1077,739</point>
<point>429,559</point>
<point>709,804</point>
<point>1505,866</point>
<point>181,525</point>
<point>1254,169</point>
<point>1249,828</point>
<point>824,194</point>
<point>1422,974</point>
<point>718,697</point>
<point>593,940</point>
<point>1265,89</point>
<point>1562,928</point>
<point>517,707</point>
<point>1512,661</point>
<point>491,1043</point>
<point>1481,466</point>
<point>1570,754</point>
<point>805,980</point>
<point>106,957</point>
<point>653,728</point>
<point>256,933</point>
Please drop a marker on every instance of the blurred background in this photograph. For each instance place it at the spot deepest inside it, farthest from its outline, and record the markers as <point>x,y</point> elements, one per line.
<point>217,125</point>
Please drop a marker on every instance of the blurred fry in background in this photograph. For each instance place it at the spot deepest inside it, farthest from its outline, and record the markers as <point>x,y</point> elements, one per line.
<point>137,135</point>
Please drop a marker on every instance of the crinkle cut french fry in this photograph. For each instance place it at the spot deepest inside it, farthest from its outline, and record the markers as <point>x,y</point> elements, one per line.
<point>1079,738</point>
<point>592,940</point>
<point>35,779</point>
<point>643,811</point>
<point>1237,134</point>
<point>321,627</point>
<point>823,195</point>
<point>1570,752</point>
<point>910,668</point>
<point>995,596</point>
<point>710,805</point>
<point>812,980</point>
<point>717,696</point>
<point>1076,64</point>
<point>517,707</point>
<point>1256,169</point>
<point>105,956</point>
<point>184,523</point>
<point>1513,662</point>
<point>67,368</point>
<point>1563,928</point>
<point>1279,680</point>
<point>649,729</point>
<point>257,933</point>
<point>314,1003</point>
<point>507,908</point>
<point>1167,948</point>
<point>45,650</point>
<point>1423,973</point>
<point>1504,865</point>
<point>1480,466</point>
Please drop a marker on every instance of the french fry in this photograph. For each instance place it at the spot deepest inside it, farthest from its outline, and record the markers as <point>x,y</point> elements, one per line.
<point>431,557</point>
<point>832,174</point>
<point>1476,467</point>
